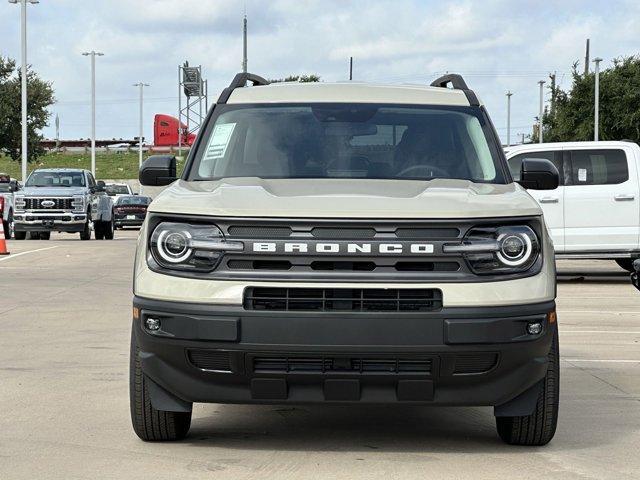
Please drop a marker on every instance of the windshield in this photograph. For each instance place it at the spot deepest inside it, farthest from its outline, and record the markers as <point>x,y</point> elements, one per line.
<point>133,200</point>
<point>348,141</point>
<point>55,179</point>
<point>117,190</point>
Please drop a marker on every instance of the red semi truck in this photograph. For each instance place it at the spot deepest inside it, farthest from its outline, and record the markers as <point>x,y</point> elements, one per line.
<point>165,132</point>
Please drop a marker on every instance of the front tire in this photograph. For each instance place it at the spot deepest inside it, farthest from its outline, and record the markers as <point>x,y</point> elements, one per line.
<point>20,235</point>
<point>539,427</point>
<point>86,233</point>
<point>8,227</point>
<point>150,424</point>
<point>98,230</point>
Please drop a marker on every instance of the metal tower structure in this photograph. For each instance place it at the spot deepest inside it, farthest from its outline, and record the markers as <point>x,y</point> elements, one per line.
<point>194,111</point>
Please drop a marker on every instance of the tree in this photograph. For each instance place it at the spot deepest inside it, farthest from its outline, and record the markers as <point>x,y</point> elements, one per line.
<point>298,78</point>
<point>573,113</point>
<point>40,97</point>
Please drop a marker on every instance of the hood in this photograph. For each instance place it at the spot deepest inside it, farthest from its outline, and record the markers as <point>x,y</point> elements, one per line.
<point>51,191</point>
<point>345,198</point>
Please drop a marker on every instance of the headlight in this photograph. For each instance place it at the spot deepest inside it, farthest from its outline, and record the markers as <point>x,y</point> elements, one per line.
<point>78,203</point>
<point>488,250</point>
<point>190,247</point>
<point>19,202</point>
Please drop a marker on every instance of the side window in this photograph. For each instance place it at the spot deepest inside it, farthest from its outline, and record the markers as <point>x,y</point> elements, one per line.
<point>554,156</point>
<point>90,179</point>
<point>599,167</point>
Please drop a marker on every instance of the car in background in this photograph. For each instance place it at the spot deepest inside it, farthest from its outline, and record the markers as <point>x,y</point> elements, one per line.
<point>8,185</point>
<point>117,190</point>
<point>130,210</point>
<point>62,200</point>
<point>594,213</point>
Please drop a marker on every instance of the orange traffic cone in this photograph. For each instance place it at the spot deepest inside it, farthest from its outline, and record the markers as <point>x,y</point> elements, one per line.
<point>3,242</point>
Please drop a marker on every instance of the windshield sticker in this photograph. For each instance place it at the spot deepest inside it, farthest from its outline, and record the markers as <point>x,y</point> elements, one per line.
<point>582,174</point>
<point>219,141</point>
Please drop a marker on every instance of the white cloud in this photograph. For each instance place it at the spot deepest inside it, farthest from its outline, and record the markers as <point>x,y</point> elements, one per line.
<point>497,44</point>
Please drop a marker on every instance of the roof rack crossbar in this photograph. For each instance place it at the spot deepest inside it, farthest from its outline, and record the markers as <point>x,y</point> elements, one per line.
<point>458,83</point>
<point>239,81</point>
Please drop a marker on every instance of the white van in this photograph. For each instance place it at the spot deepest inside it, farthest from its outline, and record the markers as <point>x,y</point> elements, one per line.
<point>595,211</point>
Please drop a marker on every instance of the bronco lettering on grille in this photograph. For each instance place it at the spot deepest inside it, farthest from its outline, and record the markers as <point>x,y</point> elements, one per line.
<point>343,247</point>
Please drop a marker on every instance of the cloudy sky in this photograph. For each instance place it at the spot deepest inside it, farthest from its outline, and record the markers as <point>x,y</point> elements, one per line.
<point>496,45</point>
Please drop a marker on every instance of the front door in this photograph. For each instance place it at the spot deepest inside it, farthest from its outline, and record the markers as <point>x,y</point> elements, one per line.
<point>602,208</point>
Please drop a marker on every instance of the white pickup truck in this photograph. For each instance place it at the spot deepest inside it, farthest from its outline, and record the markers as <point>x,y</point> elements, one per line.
<point>595,211</point>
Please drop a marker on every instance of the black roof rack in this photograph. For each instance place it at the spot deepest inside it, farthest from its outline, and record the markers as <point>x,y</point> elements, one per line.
<point>458,83</point>
<point>239,81</point>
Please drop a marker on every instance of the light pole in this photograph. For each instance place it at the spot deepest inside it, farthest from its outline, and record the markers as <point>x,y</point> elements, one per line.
<point>541,83</point>
<point>141,86</point>
<point>93,107</point>
<point>23,33</point>
<point>509,118</point>
<point>596,119</point>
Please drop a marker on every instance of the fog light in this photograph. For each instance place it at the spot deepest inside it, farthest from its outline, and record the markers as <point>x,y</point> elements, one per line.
<point>152,324</point>
<point>534,328</point>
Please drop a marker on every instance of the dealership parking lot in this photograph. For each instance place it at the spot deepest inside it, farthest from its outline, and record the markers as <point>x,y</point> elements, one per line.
<point>65,317</point>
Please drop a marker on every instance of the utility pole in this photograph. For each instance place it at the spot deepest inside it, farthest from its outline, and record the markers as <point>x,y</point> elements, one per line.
<point>57,132</point>
<point>350,68</point>
<point>141,86</point>
<point>509,94</point>
<point>596,119</point>
<point>541,83</point>
<point>244,44</point>
<point>23,73</point>
<point>93,55</point>
<point>586,59</point>
<point>552,107</point>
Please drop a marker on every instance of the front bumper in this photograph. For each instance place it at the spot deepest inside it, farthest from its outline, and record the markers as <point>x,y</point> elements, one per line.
<point>49,221</point>
<point>124,221</point>
<point>457,356</point>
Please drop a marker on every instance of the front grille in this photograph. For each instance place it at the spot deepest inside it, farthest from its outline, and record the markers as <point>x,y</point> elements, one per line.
<point>58,203</point>
<point>210,360</point>
<point>475,363</point>
<point>343,299</point>
<point>310,364</point>
<point>350,233</point>
<point>258,231</point>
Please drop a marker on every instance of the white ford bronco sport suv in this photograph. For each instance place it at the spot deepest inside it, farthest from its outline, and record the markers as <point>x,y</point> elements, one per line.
<point>345,243</point>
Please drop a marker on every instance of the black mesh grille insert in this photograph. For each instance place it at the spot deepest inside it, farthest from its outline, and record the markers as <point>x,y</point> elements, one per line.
<point>58,203</point>
<point>342,364</point>
<point>325,232</point>
<point>341,265</point>
<point>427,266</point>
<point>259,265</point>
<point>425,233</point>
<point>343,299</point>
<point>210,360</point>
<point>257,231</point>
<point>475,362</point>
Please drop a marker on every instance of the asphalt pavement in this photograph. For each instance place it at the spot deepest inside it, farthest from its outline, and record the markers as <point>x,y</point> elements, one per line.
<point>65,308</point>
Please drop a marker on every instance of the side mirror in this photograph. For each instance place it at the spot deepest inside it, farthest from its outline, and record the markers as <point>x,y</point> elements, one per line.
<point>100,186</point>
<point>158,170</point>
<point>14,186</point>
<point>539,174</point>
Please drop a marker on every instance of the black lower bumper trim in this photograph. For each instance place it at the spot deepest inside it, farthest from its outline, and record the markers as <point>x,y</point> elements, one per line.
<point>456,356</point>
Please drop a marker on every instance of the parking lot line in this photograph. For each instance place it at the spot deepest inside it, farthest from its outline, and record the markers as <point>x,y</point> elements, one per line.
<point>14,255</point>
<point>564,332</point>
<point>600,360</point>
